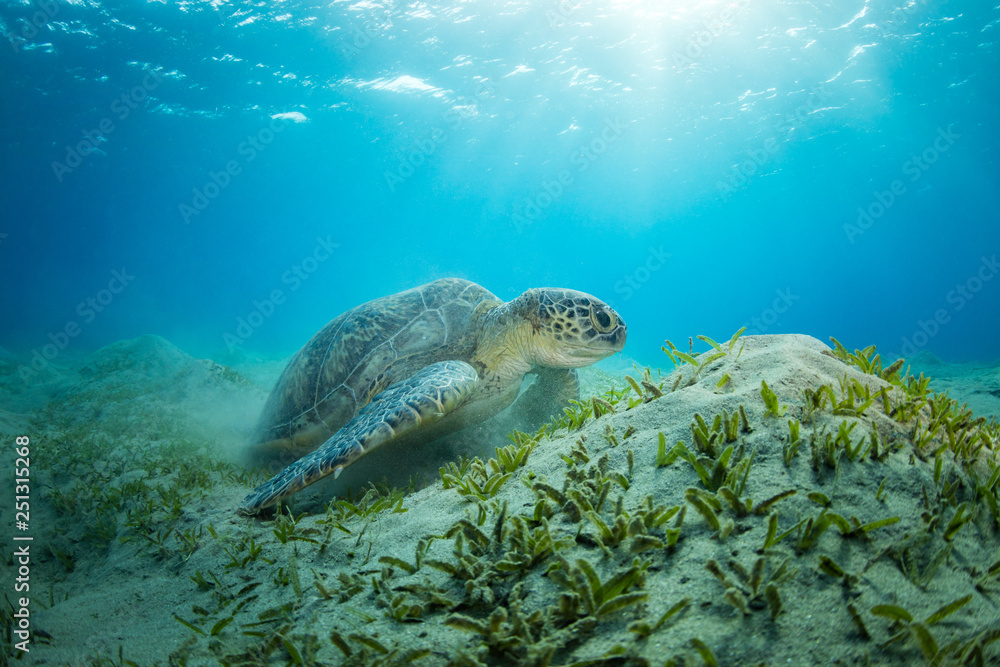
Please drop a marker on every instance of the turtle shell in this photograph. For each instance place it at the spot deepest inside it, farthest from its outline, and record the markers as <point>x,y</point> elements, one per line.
<point>363,351</point>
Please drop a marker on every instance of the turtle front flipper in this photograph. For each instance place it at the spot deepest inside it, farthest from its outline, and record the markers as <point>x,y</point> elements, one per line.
<point>551,391</point>
<point>403,407</point>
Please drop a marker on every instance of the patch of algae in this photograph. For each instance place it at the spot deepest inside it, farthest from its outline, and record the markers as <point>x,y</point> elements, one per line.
<point>842,521</point>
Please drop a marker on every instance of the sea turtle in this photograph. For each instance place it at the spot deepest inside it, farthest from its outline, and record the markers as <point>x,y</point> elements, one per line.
<point>416,365</point>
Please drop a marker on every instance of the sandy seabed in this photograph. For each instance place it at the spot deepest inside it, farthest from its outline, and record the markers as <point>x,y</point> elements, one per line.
<point>651,534</point>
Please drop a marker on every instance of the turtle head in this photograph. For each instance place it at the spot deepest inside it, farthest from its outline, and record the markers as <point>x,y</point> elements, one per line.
<point>570,329</point>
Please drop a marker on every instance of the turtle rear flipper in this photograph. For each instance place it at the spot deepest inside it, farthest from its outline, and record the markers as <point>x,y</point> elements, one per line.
<point>402,408</point>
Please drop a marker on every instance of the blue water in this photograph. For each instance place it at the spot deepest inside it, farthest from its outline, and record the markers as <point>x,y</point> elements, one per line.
<point>823,168</point>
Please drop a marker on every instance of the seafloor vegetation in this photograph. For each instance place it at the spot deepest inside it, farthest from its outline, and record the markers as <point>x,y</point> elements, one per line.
<point>766,502</point>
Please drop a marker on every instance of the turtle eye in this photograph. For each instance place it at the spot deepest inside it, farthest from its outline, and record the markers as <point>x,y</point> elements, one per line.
<point>604,320</point>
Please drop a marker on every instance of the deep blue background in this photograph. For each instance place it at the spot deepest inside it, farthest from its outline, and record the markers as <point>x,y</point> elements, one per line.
<point>832,99</point>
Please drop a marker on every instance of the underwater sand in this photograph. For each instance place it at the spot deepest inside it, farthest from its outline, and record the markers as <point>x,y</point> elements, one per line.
<point>137,472</point>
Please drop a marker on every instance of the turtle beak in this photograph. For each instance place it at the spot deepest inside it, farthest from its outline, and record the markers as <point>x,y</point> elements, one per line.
<point>617,337</point>
<point>598,348</point>
<point>590,353</point>
<point>609,342</point>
